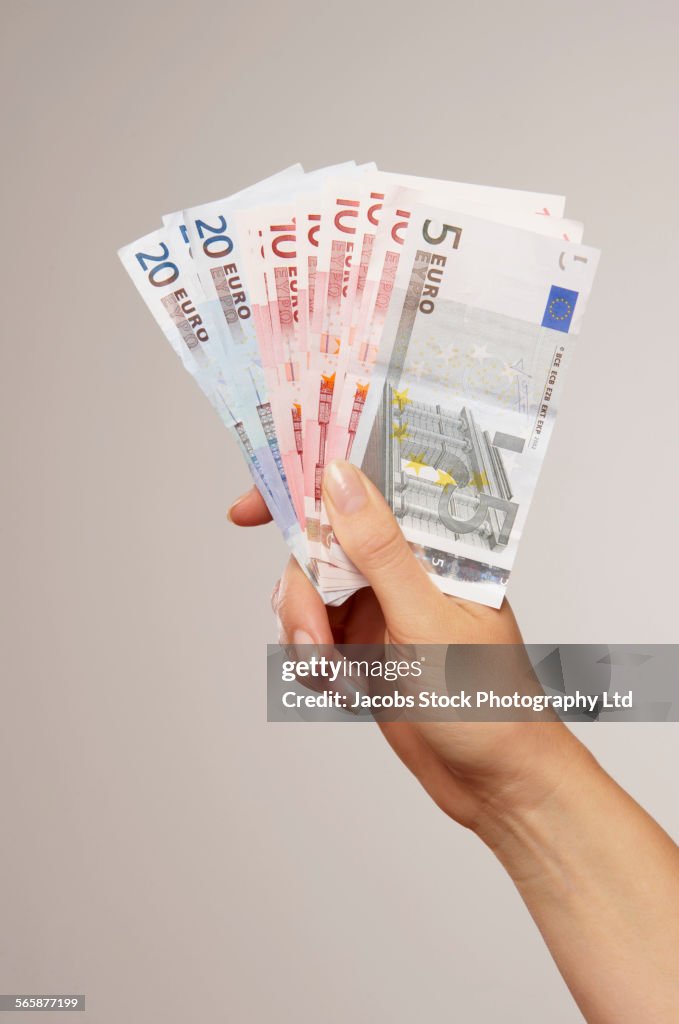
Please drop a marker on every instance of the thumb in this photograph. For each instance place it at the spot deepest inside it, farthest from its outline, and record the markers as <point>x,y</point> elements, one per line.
<point>413,607</point>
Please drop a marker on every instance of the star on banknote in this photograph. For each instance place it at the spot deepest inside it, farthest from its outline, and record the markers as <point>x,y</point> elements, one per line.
<point>401,399</point>
<point>416,463</point>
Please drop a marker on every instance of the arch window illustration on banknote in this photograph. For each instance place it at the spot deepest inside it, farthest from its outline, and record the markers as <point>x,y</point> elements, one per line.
<point>445,475</point>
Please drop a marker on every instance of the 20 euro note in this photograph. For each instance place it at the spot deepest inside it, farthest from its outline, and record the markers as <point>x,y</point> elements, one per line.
<point>219,259</point>
<point>470,372</point>
<point>160,268</point>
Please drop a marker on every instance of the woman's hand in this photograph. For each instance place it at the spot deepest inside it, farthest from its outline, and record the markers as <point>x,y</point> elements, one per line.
<point>599,876</point>
<point>465,767</point>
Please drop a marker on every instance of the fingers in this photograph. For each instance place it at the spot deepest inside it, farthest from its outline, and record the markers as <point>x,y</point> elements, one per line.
<point>249,510</point>
<point>362,521</point>
<point>302,616</point>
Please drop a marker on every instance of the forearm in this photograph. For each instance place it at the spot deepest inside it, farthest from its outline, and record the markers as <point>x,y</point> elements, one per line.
<point>601,880</point>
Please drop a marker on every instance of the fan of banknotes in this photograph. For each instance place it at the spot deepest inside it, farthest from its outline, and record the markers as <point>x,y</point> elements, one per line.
<point>415,327</point>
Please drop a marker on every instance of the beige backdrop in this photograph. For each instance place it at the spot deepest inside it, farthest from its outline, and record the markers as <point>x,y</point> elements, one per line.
<point>163,849</point>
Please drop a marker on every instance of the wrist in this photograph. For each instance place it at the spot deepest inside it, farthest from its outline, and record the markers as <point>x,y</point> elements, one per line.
<point>521,819</point>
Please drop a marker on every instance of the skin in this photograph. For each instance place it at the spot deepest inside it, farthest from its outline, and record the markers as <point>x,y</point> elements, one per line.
<point>597,873</point>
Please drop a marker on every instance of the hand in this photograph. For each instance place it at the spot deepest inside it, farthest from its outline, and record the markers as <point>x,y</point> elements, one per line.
<point>467,768</point>
<point>599,876</point>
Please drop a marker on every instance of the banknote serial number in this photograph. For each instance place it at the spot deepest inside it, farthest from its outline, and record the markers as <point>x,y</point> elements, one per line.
<point>34,1002</point>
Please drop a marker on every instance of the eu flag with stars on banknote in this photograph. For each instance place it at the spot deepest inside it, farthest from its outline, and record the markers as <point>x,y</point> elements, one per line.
<point>560,308</point>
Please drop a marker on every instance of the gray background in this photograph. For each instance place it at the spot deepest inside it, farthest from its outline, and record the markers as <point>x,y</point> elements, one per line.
<point>162,846</point>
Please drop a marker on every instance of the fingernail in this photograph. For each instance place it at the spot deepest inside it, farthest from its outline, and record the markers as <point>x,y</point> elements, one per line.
<point>304,645</point>
<point>301,646</point>
<point>344,487</point>
<point>232,507</point>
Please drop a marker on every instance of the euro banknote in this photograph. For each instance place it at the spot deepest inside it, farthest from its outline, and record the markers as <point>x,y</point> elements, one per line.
<point>419,328</point>
<point>468,380</point>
